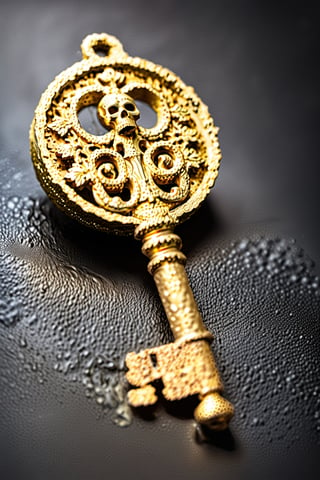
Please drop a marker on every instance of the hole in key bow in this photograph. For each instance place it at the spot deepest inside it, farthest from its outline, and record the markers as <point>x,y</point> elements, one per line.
<point>148,116</point>
<point>102,50</point>
<point>89,120</point>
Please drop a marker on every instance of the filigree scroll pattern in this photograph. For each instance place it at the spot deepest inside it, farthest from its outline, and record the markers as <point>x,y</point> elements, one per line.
<point>130,173</point>
<point>129,164</point>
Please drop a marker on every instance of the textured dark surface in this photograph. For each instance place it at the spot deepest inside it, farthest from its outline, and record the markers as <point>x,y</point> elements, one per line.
<point>73,301</point>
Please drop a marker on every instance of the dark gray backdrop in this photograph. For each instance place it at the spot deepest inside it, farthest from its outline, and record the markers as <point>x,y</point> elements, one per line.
<point>256,66</point>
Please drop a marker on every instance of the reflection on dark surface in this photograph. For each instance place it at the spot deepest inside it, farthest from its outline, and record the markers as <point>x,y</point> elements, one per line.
<point>66,329</point>
<point>223,440</point>
<point>74,301</point>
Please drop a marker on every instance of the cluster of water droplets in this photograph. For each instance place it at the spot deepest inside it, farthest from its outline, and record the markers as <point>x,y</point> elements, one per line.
<point>102,382</point>
<point>264,310</point>
<point>261,301</point>
<point>39,293</point>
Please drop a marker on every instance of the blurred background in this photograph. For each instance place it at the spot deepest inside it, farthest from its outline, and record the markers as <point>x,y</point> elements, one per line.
<point>256,65</point>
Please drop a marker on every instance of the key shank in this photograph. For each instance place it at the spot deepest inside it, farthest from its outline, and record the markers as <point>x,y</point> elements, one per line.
<point>162,247</point>
<point>167,267</point>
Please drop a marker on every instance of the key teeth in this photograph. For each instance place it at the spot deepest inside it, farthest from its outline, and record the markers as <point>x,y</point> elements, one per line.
<point>142,397</point>
<point>214,411</point>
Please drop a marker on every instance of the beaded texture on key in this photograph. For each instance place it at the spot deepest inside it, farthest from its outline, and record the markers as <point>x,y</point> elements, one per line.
<point>133,179</point>
<point>109,181</point>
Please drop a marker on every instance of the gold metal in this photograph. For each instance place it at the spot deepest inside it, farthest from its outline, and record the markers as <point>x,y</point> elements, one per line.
<point>134,179</point>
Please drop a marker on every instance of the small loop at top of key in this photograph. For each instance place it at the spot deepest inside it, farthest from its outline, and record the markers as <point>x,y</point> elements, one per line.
<point>102,45</point>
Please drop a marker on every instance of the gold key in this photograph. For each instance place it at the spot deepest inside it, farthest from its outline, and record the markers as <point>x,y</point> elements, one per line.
<point>133,179</point>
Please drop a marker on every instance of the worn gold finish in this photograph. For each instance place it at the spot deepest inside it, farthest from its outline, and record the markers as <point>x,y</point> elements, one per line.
<point>186,366</point>
<point>134,179</point>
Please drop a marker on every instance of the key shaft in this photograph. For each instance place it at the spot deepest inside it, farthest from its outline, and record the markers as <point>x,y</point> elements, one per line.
<point>162,247</point>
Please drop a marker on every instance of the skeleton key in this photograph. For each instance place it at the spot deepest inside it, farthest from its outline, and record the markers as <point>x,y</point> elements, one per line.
<point>134,179</point>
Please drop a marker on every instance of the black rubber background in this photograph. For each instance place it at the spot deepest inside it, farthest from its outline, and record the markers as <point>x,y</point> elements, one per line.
<point>70,296</point>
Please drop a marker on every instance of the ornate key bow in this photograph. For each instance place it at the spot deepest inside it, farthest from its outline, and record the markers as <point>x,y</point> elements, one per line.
<point>138,180</point>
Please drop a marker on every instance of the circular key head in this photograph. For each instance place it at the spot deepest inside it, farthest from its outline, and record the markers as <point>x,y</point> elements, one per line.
<point>130,175</point>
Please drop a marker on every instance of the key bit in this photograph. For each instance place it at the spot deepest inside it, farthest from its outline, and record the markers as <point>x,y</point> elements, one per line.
<point>141,181</point>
